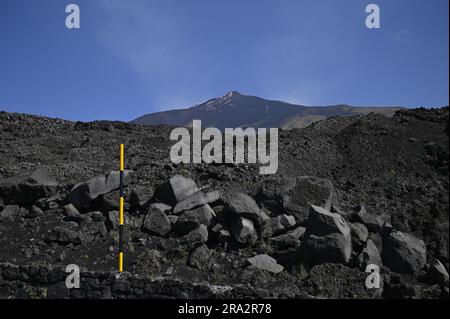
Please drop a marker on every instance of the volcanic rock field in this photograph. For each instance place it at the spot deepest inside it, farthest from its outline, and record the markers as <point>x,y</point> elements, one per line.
<point>349,192</point>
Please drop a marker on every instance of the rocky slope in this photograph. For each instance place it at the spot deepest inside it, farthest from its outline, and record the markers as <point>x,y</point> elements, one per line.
<point>238,110</point>
<point>349,191</point>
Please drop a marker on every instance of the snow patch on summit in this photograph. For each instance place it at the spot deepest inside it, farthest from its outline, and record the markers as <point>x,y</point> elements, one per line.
<point>227,99</point>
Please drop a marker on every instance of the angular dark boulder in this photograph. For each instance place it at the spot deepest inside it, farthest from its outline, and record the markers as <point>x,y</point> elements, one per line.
<point>323,222</point>
<point>243,205</point>
<point>157,222</point>
<point>141,195</point>
<point>195,200</point>
<point>176,189</point>
<point>82,194</point>
<point>243,231</point>
<point>196,237</point>
<point>295,195</point>
<point>403,253</point>
<point>27,188</point>
<point>332,248</point>
<point>191,219</point>
<point>327,238</point>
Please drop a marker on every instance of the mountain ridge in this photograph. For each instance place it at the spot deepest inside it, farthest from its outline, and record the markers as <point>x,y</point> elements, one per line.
<point>239,110</point>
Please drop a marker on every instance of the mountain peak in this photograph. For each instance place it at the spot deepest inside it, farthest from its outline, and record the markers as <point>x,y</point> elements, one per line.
<point>229,99</point>
<point>232,94</point>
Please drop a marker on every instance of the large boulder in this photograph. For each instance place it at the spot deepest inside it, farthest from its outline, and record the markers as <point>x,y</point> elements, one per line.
<point>295,195</point>
<point>403,253</point>
<point>27,188</point>
<point>327,238</point>
<point>191,219</point>
<point>323,222</point>
<point>243,205</point>
<point>156,222</point>
<point>265,262</point>
<point>176,189</point>
<point>141,195</point>
<point>82,194</point>
<point>332,248</point>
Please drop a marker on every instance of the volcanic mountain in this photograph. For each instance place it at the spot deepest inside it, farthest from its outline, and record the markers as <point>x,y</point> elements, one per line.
<point>237,110</point>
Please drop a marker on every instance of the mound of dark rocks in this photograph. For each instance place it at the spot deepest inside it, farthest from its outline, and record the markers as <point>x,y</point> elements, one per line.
<point>231,236</point>
<point>310,231</point>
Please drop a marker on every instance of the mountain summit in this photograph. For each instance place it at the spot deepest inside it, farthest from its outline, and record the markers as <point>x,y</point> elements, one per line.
<point>238,110</point>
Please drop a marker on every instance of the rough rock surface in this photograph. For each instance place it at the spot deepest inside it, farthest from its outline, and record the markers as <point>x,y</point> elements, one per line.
<point>157,222</point>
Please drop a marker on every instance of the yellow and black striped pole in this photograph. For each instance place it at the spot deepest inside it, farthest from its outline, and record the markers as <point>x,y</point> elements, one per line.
<point>121,219</point>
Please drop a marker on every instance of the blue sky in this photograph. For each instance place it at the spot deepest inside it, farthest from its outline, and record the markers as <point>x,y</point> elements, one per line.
<point>132,57</point>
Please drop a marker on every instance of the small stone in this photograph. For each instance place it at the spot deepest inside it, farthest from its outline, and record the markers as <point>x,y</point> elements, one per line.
<point>243,231</point>
<point>290,239</point>
<point>35,212</point>
<point>72,213</point>
<point>265,262</point>
<point>281,223</point>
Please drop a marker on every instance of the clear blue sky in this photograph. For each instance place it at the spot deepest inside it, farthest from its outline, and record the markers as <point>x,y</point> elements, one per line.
<point>133,57</point>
